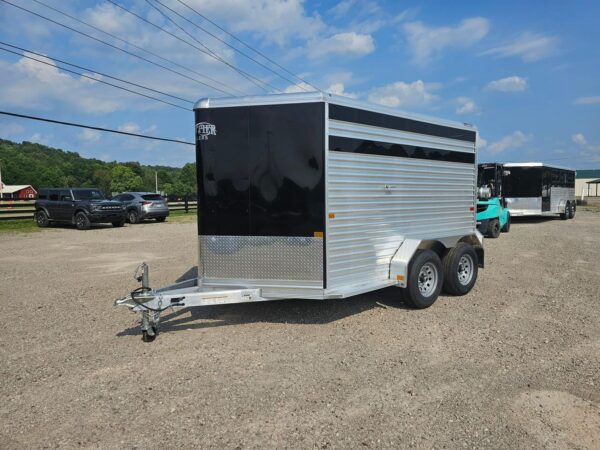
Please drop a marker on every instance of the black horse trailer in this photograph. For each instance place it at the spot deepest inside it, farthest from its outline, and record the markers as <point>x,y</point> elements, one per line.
<point>538,189</point>
<point>317,196</point>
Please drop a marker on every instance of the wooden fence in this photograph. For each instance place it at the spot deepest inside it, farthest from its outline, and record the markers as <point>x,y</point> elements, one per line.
<point>24,209</point>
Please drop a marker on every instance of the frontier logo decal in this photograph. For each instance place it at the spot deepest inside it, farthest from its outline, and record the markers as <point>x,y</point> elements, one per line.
<point>204,130</point>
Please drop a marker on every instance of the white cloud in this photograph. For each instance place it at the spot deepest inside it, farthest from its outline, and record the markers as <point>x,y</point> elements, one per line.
<point>510,142</point>
<point>401,94</point>
<point>276,21</point>
<point>529,47</point>
<point>426,42</point>
<point>339,89</point>
<point>579,139</point>
<point>508,84</point>
<point>466,105</point>
<point>481,142</point>
<point>90,136</point>
<point>593,100</point>
<point>353,45</point>
<point>342,8</point>
<point>129,127</point>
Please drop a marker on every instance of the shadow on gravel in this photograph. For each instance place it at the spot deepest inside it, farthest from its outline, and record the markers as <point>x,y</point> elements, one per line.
<point>533,219</point>
<point>292,311</point>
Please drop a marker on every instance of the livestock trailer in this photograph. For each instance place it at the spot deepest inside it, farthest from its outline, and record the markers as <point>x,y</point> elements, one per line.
<point>538,189</point>
<point>316,196</point>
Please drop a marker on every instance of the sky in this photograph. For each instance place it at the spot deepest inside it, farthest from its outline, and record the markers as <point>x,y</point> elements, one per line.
<point>526,74</point>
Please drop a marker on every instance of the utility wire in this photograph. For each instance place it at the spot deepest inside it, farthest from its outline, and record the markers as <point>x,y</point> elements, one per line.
<point>94,71</point>
<point>213,54</point>
<point>95,79</point>
<point>208,53</point>
<point>221,40</point>
<point>135,46</point>
<point>89,127</point>
<point>245,45</point>
<point>122,50</point>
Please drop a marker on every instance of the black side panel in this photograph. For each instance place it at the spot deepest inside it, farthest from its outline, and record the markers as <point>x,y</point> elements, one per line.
<point>523,182</point>
<point>343,144</point>
<point>361,116</point>
<point>262,173</point>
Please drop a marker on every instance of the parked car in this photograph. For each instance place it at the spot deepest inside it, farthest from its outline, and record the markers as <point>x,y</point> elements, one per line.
<point>144,205</point>
<point>78,206</point>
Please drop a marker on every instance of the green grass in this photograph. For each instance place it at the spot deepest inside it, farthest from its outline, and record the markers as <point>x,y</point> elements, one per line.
<point>18,226</point>
<point>182,217</point>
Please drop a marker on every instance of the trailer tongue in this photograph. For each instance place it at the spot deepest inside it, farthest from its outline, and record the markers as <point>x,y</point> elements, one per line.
<point>316,196</point>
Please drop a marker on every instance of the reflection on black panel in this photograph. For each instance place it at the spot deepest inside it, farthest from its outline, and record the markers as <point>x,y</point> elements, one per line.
<point>262,172</point>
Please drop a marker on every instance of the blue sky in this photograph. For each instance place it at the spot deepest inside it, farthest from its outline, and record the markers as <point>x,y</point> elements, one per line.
<point>525,73</point>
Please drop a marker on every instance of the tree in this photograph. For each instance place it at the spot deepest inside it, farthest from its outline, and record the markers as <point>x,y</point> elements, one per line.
<point>124,179</point>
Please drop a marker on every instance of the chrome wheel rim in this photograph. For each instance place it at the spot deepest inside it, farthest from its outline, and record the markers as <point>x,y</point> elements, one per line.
<point>428,279</point>
<point>465,269</point>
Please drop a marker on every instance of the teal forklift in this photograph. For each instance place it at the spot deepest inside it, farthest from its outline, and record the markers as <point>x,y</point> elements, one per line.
<point>493,216</point>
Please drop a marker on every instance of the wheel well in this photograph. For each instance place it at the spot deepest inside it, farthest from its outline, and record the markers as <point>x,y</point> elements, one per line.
<point>434,245</point>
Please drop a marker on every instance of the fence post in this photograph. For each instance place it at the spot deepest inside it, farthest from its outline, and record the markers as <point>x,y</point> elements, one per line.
<point>187,207</point>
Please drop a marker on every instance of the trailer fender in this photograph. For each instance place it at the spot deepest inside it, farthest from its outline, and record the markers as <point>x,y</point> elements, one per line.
<point>401,259</point>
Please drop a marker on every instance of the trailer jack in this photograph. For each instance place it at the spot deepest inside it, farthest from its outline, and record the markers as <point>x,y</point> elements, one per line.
<point>186,294</point>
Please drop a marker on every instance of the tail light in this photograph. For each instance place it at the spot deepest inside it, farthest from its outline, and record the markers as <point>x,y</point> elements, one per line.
<point>146,203</point>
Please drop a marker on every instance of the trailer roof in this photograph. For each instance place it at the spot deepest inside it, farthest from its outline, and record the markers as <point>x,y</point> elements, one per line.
<point>317,96</point>
<point>536,164</point>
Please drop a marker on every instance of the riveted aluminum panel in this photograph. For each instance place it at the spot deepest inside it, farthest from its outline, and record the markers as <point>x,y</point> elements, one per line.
<point>278,260</point>
<point>559,196</point>
<point>379,200</point>
<point>524,206</point>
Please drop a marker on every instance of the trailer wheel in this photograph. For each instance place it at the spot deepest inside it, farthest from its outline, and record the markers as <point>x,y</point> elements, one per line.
<point>565,215</point>
<point>460,269</point>
<point>149,337</point>
<point>494,228</point>
<point>425,279</point>
<point>506,227</point>
<point>572,211</point>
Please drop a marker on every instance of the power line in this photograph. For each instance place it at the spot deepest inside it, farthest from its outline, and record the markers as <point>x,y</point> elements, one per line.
<point>95,79</point>
<point>121,49</point>
<point>209,53</point>
<point>213,54</point>
<point>89,127</point>
<point>244,44</point>
<point>138,47</point>
<point>95,71</point>
<point>216,37</point>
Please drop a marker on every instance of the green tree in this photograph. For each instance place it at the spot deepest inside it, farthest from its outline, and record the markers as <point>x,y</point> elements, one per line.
<point>124,179</point>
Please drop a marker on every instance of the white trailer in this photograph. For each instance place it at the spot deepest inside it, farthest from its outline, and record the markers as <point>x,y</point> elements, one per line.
<point>317,196</point>
<point>538,189</point>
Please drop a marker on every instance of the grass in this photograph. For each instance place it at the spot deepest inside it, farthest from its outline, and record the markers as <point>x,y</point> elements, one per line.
<point>182,217</point>
<point>18,226</point>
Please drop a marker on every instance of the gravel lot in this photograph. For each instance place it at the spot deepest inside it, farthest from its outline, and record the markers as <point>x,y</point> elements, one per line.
<point>516,363</point>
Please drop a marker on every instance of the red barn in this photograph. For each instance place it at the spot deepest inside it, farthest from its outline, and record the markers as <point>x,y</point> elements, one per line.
<point>21,192</point>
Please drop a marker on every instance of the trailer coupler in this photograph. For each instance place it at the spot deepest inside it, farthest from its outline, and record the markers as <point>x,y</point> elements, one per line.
<point>152,302</point>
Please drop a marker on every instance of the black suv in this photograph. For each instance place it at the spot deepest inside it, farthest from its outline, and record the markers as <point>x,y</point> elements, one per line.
<point>78,206</point>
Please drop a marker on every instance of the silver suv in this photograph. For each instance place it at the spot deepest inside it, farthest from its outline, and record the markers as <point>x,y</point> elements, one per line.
<point>144,205</point>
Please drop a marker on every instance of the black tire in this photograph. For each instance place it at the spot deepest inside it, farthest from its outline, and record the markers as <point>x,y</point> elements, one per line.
<point>81,221</point>
<point>133,216</point>
<point>460,269</point>
<point>506,227</point>
<point>425,279</point>
<point>565,215</point>
<point>41,218</point>
<point>572,211</point>
<point>146,337</point>
<point>119,223</point>
<point>161,219</point>
<point>494,228</point>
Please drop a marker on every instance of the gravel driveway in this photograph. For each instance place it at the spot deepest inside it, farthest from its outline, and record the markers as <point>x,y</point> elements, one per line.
<point>516,363</point>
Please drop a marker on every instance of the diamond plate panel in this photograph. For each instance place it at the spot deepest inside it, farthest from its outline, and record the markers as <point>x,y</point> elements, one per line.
<point>262,257</point>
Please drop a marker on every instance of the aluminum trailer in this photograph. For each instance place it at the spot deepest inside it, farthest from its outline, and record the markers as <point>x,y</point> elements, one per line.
<point>538,189</point>
<point>316,196</point>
